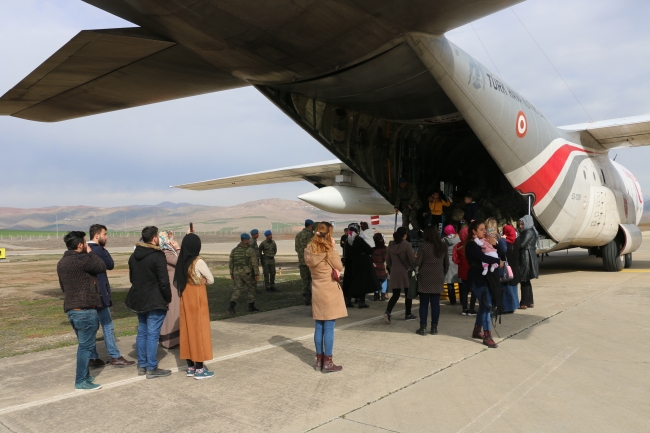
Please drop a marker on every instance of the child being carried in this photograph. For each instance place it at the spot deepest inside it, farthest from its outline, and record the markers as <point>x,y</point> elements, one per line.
<point>488,250</point>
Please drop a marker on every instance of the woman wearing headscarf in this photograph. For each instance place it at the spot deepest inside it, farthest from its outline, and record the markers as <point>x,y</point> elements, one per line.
<point>169,333</point>
<point>528,266</point>
<point>509,288</point>
<point>401,261</point>
<point>191,276</point>
<point>478,282</point>
<point>433,264</point>
<point>327,300</point>
<point>451,278</point>
<point>360,277</point>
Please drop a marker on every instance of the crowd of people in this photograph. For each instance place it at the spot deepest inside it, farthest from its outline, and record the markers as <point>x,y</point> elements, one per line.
<point>168,283</point>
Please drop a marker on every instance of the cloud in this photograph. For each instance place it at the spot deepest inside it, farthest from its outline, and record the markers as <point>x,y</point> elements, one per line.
<point>132,156</point>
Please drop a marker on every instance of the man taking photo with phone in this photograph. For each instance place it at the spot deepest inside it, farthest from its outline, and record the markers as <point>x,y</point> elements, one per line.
<point>98,239</point>
<point>77,271</point>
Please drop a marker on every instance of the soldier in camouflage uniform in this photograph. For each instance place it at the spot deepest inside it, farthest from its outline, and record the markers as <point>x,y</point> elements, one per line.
<point>244,271</point>
<point>268,250</point>
<point>302,239</point>
<point>254,235</point>
<point>408,202</point>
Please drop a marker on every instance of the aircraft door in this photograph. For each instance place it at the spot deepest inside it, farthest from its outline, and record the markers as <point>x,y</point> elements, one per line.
<point>601,220</point>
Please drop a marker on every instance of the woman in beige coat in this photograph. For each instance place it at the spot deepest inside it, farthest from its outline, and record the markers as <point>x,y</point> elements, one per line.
<point>326,295</point>
<point>169,333</point>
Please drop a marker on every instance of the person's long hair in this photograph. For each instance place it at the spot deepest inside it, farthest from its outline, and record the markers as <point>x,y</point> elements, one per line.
<point>491,223</point>
<point>432,236</point>
<point>470,230</point>
<point>322,240</point>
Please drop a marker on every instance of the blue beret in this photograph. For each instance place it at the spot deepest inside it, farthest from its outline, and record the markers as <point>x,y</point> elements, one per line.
<point>309,222</point>
<point>401,180</point>
<point>268,232</point>
<point>245,236</point>
<point>254,232</point>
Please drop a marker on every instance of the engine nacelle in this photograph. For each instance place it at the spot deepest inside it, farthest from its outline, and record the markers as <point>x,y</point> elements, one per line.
<point>631,238</point>
<point>348,200</point>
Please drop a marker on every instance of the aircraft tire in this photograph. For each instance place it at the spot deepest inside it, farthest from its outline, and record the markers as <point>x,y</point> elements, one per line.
<point>628,260</point>
<point>612,260</point>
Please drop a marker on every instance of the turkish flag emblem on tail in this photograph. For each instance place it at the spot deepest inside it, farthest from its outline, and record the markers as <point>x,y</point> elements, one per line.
<point>374,220</point>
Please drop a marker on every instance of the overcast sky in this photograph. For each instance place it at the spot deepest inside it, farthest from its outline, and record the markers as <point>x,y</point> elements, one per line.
<point>130,157</point>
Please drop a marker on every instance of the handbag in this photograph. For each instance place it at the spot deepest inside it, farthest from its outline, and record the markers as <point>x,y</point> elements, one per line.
<point>336,275</point>
<point>412,291</point>
<point>507,274</point>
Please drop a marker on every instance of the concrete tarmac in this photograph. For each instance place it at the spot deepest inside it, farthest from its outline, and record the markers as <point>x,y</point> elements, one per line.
<point>577,362</point>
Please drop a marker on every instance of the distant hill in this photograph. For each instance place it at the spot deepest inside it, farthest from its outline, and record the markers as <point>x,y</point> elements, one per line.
<point>278,214</point>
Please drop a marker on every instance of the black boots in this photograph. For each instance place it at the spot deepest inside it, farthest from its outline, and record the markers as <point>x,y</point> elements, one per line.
<point>231,308</point>
<point>376,297</point>
<point>252,308</point>
<point>422,330</point>
<point>434,329</point>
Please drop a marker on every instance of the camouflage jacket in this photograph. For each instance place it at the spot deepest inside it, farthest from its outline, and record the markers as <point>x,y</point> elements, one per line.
<point>302,239</point>
<point>243,258</point>
<point>255,248</point>
<point>268,249</point>
<point>407,196</point>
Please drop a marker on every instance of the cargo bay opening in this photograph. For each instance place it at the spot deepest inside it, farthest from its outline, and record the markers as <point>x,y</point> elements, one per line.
<point>445,155</point>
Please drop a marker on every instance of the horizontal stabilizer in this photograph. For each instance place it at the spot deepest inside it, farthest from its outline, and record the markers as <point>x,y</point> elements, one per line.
<point>319,174</point>
<point>105,70</point>
<point>611,134</point>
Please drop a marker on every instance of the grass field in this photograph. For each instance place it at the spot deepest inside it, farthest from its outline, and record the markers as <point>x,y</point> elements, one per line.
<point>32,317</point>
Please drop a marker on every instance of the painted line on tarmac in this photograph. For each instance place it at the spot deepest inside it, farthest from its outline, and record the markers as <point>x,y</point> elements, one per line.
<point>634,271</point>
<point>130,380</point>
<point>495,411</point>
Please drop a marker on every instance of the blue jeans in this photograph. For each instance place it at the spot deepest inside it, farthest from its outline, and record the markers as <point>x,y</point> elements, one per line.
<point>85,325</point>
<point>104,315</point>
<point>425,300</point>
<point>483,315</point>
<point>383,284</point>
<point>146,342</point>
<point>324,335</point>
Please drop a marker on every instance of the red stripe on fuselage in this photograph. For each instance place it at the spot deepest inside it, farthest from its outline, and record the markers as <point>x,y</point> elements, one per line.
<point>541,182</point>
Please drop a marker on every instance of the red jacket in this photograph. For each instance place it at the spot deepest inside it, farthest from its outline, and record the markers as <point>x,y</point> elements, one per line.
<point>458,257</point>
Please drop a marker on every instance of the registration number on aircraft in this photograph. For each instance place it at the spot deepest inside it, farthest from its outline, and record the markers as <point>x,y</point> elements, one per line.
<point>575,196</point>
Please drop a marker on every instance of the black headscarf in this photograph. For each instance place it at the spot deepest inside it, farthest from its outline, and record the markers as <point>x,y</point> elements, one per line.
<point>190,249</point>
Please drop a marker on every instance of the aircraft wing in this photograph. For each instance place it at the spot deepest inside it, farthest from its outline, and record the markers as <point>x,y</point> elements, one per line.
<point>611,134</point>
<point>106,70</point>
<point>320,174</point>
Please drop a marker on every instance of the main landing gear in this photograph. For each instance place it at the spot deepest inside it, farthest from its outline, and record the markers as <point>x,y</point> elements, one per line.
<point>613,261</point>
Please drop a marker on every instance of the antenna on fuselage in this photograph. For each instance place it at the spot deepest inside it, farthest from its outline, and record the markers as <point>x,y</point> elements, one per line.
<point>551,63</point>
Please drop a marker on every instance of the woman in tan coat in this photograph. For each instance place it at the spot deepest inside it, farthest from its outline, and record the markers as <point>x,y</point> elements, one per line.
<point>169,333</point>
<point>192,275</point>
<point>326,295</point>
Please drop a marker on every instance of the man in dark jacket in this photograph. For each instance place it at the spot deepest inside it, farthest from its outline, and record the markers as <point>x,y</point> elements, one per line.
<point>149,296</point>
<point>97,243</point>
<point>77,271</point>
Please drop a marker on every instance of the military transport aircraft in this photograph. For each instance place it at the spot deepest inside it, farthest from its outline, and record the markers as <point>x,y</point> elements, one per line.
<point>377,83</point>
